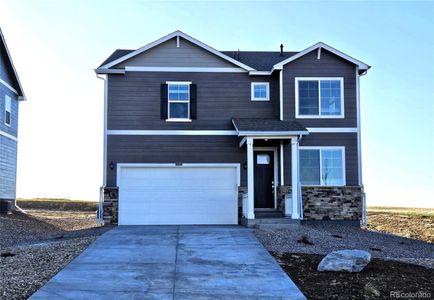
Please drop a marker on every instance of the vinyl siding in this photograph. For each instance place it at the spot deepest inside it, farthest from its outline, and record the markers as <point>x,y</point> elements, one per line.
<point>329,65</point>
<point>13,129</point>
<point>171,149</point>
<point>8,167</point>
<point>348,140</point>
<point>168,54</point>
<point>134,100</point>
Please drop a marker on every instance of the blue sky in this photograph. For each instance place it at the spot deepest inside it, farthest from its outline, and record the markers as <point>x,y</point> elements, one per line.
<point>57,44</point>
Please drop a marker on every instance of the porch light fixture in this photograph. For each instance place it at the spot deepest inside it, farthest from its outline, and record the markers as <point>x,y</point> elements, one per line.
<point>112,166</point>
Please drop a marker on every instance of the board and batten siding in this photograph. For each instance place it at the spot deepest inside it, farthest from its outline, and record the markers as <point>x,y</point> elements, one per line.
<point>134,100</point>
<point>173,149</point>
<point>329,65</point>
<point>168,54</point>
<point>347,140</point>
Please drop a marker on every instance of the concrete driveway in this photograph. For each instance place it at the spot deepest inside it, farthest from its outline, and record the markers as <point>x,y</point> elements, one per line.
<point>172,262</point>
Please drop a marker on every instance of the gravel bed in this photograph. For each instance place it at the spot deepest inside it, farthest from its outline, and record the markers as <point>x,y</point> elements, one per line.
<point>31,267</point>
<point>322,239</point>
<point>34,247</point>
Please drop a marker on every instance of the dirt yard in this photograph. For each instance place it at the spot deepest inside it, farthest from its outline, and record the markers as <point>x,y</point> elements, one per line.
<point>34,247</point>
<point>414,223</point>
<point>379,280</point>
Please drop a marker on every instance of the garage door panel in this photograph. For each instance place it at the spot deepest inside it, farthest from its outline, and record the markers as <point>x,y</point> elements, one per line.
<point>178,195</point>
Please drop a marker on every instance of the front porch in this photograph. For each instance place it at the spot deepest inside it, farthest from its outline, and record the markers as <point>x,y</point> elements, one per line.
<point>265,197</point>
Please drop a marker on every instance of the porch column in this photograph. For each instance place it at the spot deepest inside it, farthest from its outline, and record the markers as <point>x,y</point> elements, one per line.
<point>250,180</point>
<point>295,180</point>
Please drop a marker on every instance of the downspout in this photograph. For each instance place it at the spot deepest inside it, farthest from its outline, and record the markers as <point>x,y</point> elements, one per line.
<point>359,148</point>
<point>300,197</point>
<point>104,176</point>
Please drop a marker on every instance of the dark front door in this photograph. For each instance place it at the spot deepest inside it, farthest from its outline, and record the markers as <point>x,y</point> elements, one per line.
<point>264,179</point>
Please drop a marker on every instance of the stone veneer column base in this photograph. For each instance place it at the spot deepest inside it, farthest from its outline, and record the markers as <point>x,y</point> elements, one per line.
<point>110,205</point>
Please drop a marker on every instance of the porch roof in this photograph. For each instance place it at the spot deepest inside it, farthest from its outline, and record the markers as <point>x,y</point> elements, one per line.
<point>268,127</point>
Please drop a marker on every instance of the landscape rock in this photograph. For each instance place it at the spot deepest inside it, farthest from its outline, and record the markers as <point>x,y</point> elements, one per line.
<point>345,261</point>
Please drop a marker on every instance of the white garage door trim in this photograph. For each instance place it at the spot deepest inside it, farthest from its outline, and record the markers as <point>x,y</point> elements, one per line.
<point>120,166</point>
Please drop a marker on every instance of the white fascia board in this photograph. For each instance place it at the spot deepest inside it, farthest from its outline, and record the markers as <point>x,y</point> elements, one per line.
<point>271,134</point>
<point>109,71</point>
<point>332,130</point>
<point>170,36</point>
<point>260,72</point>
<point>8,86</point>
<point>23,96</point>
<point>173,132</point>
<point>7,135</point>
<point>184,69</point>
<point>360,64</point>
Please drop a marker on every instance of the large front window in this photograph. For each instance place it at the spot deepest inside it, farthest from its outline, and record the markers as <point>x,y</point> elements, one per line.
<point>319,97</point>
<point>179,100</point>
<point>322,166</point>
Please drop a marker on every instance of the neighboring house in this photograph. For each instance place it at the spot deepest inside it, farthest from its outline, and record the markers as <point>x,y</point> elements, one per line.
<point>194,135</point>
<point>11,93</point>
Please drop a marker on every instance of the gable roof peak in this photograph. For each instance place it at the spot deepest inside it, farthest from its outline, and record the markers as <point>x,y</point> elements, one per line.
<point>177,33</point>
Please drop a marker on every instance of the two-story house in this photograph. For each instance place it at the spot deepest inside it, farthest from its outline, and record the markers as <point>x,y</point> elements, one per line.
<point>193,135</point>
<point>11,93</point>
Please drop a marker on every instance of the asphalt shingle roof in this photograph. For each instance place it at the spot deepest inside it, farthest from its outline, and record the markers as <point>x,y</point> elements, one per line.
<point>258,60</point>
<point>118,53</point>
<point>267,125</point>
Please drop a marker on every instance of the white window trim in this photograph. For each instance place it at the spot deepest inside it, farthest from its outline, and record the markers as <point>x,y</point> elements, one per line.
<point>342,148</point>
<point>252,91</point>
<point>8,99</point>
<point>169,119</point>
<point>319,116</point>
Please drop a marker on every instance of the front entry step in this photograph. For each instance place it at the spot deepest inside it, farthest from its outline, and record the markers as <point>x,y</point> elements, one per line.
<point>271,223</point>
<point>267,213</point>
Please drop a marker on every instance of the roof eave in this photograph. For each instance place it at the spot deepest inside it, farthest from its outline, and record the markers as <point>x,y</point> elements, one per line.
<point>20,91</point>
<point>271,133</point>
<point>109,71</point>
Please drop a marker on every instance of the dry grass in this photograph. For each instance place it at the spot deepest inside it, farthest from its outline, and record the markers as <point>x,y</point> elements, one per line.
<point>415,223</point>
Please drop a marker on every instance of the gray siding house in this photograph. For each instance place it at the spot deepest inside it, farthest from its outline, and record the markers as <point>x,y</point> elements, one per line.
<point>11,93</point>
<point>193,135</point>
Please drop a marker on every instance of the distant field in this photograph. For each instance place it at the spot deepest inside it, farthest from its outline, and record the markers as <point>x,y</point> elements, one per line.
<point>403,210</point>
<point>415,223</point>
<point>57,204</point>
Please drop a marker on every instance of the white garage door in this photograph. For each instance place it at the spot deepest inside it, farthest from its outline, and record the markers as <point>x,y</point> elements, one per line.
<point>188,194</point>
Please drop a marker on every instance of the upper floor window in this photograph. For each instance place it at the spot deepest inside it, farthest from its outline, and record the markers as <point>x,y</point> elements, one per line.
<point>260,91</point>
<point>322,166</point>
<point>8,110</point>
<point>178,101</point>
<point>319,97</point>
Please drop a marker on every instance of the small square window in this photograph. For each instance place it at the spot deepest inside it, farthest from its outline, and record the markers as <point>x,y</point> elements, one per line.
<point>263,159</point>
<point>260,91</point>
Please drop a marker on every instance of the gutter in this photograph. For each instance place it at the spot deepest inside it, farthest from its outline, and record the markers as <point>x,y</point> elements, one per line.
<point>104,179</point>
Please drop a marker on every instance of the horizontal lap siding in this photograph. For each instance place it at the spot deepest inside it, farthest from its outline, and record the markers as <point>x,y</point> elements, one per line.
<point>134,100</point>
<point>8,167</point>
<point>171,149</point>
<point>348,140</point>
<point>328,66</point>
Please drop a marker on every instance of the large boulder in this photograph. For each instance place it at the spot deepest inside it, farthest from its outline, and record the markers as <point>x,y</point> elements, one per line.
<point>345,261</point>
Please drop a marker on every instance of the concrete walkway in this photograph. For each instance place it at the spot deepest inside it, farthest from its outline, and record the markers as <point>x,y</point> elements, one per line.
<point>172,262</point>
